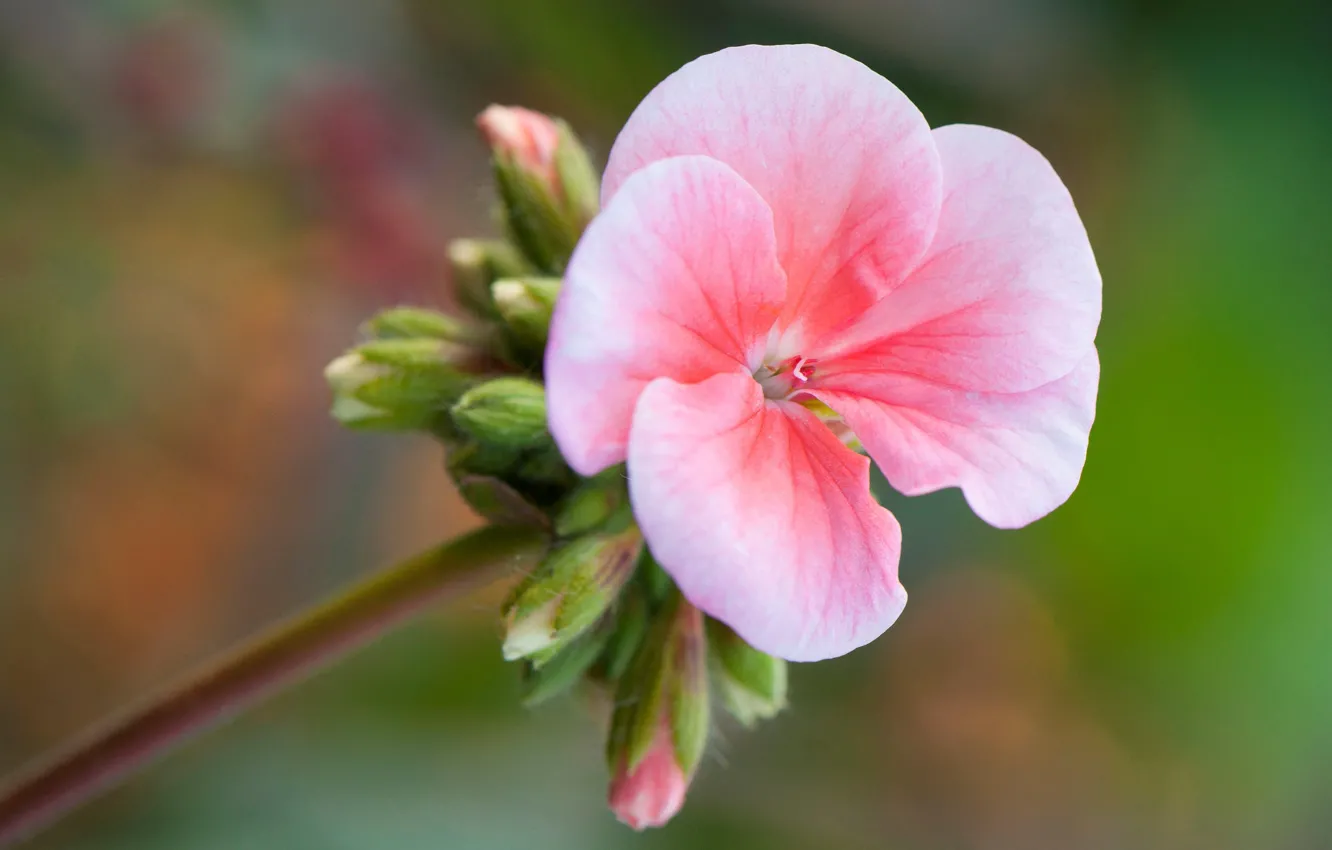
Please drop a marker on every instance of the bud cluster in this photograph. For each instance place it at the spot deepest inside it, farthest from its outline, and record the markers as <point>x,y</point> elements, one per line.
<point>598,612</point>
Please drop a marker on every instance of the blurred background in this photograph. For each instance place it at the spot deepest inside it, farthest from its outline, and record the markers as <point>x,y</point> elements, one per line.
<point>200,201</point>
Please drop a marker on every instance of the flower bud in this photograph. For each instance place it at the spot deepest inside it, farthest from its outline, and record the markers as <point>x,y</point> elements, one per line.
<point>525,304</point>
<point>505,412</point>
<point>416,323</point>
<point>478,263</point>
<point>398,384</point>
<point>524,135</point>
<point>660,725</point>
<point>568,593</point>
<point>592,502</point>
<point>547,185</point>
<point>752,683</point>
<point>653,792</point>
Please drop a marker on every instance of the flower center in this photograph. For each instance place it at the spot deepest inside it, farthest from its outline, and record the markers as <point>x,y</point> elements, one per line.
<point>785,378</point>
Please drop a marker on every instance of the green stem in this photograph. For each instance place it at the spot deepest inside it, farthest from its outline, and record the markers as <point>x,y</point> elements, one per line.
<point>274,660</point>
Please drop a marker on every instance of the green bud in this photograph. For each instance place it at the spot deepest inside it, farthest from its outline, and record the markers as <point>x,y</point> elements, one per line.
<point>505,412</point>
<point>667,678</point>
<point>752,683</point>
<point>498,502</point>
<point>547,186</point>
<point>476,264</point>
<point>417,323</point>
<point>398,384</point>
<point>592,502</point>
<point>574,586</point>
<point>525,304</point>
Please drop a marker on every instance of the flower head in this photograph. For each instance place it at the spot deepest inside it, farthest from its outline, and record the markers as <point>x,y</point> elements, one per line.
<point>790,261</point>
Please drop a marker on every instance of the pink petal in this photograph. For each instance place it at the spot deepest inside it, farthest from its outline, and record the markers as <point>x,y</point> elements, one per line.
<point>845,160</point>
<point>763,518</point>
<point>1008,297</point>
<point>654,792</point>
<point>1016,456</point>
<point>678,278</point>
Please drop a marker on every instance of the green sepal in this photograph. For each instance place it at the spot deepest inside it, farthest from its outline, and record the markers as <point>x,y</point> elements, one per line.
<point>592,502</point>
<point>416,323</point>
<point>399,384</point>
<point>577,177</point>
<point>574,586</point>
<point>668,674</point>
<point>497,501</point>
<point>477,263</point>
<point>752,684</point>
<point>690,715</point>
<point>526,305</point>
<point>631,624</point>
<point>549,675</point>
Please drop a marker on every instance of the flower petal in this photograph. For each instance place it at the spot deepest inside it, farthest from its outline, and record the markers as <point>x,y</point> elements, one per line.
<point>1016,456</point>
<point>763,518</point>
<point>677,277</point>
<point>844,159</point>
<point>1008,297</point>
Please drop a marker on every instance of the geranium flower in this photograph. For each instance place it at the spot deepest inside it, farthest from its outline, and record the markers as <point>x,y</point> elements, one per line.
<point>788,261</point>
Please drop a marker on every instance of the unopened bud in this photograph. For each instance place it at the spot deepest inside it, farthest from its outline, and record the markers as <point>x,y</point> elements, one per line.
<point>398,384</point>
<point>524,135</point>
<point>505,412</point>
<point>416,323</point>
<point>752,683</point>
<point>660,725</point>
<point>568,593</point>
<point>546,182</point>
<point>653,792</point>
<point>526,304</point>
<point>478,263</point>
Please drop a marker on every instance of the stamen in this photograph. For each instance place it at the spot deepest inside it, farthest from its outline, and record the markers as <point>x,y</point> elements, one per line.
<point>800,366</point>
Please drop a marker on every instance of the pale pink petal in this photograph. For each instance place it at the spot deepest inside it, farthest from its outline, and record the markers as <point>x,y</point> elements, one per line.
<point>842,156</point>
<point>1007,298</point>
<point>1016,456</point>
<point>763,518</point>
<point>677,277</point>
<point>653,793</point>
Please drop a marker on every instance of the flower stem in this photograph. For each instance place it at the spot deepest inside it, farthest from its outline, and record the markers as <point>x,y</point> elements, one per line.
<point>272,661</point>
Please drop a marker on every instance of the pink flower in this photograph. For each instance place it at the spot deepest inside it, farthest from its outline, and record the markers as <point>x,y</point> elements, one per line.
<point>652,793</point>
<point>782,234</point>
<point>529,137</point>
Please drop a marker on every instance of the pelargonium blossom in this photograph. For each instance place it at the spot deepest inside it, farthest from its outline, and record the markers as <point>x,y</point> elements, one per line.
<point>789,262</point>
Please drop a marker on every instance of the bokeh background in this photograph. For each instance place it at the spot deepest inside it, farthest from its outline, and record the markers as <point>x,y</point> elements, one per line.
<point>200,201</point>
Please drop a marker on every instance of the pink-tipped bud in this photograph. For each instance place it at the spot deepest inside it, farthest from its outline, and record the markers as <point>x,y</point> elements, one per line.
<point>548,189</point>
<point>530,138</point>
<point>660,725</point>
<point>651,794</point>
